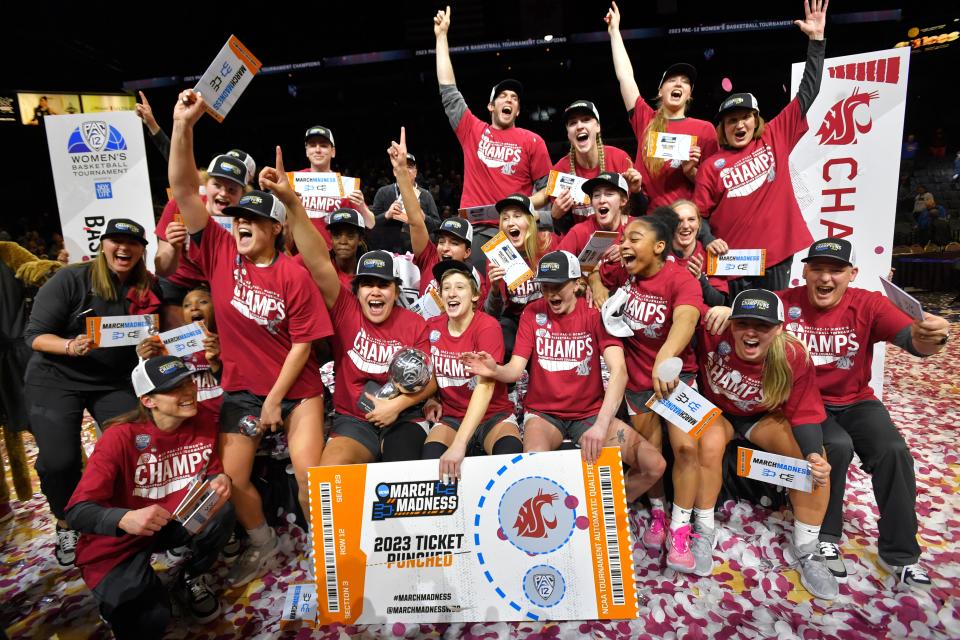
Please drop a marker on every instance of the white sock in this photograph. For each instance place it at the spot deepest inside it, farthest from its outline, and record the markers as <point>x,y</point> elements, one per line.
<point>259,536</point>
<point>704,519</point>
<point>804,534</point>
<point>657,503</point>
<point>679,517</point>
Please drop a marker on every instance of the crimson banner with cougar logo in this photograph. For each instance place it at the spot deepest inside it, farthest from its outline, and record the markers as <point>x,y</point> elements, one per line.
<point>846,168</point>
<point>535,536</point>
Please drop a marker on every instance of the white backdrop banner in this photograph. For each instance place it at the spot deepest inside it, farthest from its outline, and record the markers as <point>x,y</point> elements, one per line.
<point>845,170</point>
<point>100,172</point>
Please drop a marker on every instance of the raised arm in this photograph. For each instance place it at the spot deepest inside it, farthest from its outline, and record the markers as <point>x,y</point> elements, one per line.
<point>813,24</point>
<point>182,169</point>
<point>312,246</point>
<point>441,25</point>
<point>419,235</point>
<point>621,61</point>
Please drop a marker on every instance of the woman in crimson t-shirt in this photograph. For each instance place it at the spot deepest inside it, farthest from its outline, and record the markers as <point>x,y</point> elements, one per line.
<point>763,381</point>
<point>370,327</point>
<point>745,190</point>
<point>588,158</point>
<point>688,252</point>
<point>663,181</point>
<point>562,338</point>
<point>660,306</point>
<point>470,413</point>
<point>268,313</point>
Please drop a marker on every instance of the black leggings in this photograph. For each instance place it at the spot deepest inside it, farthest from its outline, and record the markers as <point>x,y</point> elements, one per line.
<point>56,416</point>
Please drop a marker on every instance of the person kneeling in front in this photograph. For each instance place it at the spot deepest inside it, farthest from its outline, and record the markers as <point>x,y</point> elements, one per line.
<point>141,469</point>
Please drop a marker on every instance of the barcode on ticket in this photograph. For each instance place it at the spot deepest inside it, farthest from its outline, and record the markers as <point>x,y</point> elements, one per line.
<point>329,549</point>
<point>610,533</point>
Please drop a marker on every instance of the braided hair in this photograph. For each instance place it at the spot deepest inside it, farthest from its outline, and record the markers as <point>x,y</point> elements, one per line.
<point>573,156</point>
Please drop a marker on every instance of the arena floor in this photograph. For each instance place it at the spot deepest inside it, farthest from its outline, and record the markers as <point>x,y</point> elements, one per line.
<point>748,595</point>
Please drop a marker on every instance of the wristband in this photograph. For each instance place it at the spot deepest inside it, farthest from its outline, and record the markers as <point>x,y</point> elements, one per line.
<point>66,347</point>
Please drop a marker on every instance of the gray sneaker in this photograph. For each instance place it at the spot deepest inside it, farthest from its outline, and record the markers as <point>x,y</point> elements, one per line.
<point>833,559</point>
<point>913,576</point>
<point>252,561</point>
<point>814,574</point>
<point>702,548</point>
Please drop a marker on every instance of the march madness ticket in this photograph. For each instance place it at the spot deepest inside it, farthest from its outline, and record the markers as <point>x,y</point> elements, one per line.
<point>539,536</point>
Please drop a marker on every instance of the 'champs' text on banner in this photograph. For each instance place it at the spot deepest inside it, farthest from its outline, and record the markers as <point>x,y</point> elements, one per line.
<point>100,172</point>
<point>845,169</point>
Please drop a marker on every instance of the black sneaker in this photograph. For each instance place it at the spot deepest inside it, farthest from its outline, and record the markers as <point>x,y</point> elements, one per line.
<point>66,546</point>
<point>176,554</point>
<point>911,576</point>
<point>200,599</point>
<point>233,547</point>
<point>833,559</point>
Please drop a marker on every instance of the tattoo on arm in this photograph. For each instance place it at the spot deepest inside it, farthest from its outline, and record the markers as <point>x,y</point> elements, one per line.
<point>621,438</point>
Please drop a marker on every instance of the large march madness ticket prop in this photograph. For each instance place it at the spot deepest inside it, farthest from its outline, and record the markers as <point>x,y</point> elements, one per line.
<point>539,536</point>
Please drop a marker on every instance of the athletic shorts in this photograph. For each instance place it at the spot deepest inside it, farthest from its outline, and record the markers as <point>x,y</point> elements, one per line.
<point>637,400</point>
<point>239,404</point>
<point>742,425</point>
<point>171,292</point>
<point>483,429</point>
<point>570,429</point>
<point>366,433</point>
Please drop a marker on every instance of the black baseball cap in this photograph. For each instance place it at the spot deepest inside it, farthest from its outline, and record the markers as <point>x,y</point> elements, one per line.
<point>680,69</point>
<point>258,203</point>
<point>615,180</point>
<point>229,168</point>
<point>319,130</point>
<point>411,159</point>
<point>247,161</point>
<point>507,85</point>
<point>738,101</point>
<point>125,227</point>
<point>758,304</point>
<point>581,106</point>
<point>834,249</point>
<point>376,264</point>
<point>557,267</point>
<point>158,374</point>
<point>459,228</point>
<point>346,216</point>
<point>448,264</point>
<point>516,200</point>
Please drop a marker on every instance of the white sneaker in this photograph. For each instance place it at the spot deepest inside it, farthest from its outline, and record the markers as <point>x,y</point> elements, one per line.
<point>66,551</point>
<point>252,561</point>
<point>912,576</point>
<point>833,559</point>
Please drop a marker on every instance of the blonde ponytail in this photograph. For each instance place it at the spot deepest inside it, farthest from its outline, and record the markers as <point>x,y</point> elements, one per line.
<point>657,123</point>
<point>777,380</point>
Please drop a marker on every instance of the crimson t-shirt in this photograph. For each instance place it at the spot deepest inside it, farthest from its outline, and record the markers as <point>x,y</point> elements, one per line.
<point>670,184</point>
<point>362,349</point>
<point>498,162</point>
<point>840,340</point>
<point>720,284</point>
<point>209,391</point>
<point>188,274</point>
<point>748,195</point>
<point>649,310</point>
<point>563,352</point>
<point>261,312</point>
<point>136,465</point>
<point>735,386</point>
<point>346,279</point>
<point>580,234</point>
<point>614,158</point>
<point>427,259</point>
<point>455,385</point>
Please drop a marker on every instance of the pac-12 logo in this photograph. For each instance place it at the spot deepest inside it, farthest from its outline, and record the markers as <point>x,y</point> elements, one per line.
<point>840,125</point>
<point>93,136</point>
<point>417,498</point>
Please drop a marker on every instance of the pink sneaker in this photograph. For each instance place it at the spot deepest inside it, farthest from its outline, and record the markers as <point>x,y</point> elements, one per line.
<point>656,533</point>
<point>680,557</point>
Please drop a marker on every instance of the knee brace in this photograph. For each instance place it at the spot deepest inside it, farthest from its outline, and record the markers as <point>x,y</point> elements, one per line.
<point>507,445</point>
<point>433,450</point>
<point>404,441</point>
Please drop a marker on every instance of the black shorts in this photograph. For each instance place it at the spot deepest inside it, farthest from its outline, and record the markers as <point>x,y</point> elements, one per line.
<point>366,433</point>
<point>239,404</point>
<point>570,429</point>
<point>743,424</point>
<point>483,429</point>
<point>637,400</point>
<point>172,293</point>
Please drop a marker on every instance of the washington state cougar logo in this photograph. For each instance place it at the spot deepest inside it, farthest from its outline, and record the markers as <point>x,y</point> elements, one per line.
<point>840,125</point>
<point>530,521</point>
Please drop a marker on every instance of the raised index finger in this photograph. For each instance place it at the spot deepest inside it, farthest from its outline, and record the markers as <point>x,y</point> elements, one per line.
<point>279,161</point>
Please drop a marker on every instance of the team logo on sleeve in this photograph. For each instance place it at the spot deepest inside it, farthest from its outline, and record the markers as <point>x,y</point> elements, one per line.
<point>841,123</point>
